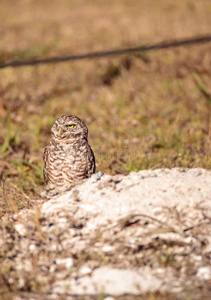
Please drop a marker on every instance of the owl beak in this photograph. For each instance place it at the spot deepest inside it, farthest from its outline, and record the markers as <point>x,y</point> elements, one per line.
<point>60,131</point>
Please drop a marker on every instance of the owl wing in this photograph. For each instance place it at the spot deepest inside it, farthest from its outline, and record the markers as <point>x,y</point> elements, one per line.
<point>45,159</point>
<point>91,162</point>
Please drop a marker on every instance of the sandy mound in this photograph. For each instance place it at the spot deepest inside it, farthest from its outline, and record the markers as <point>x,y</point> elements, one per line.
<point>118,235</point>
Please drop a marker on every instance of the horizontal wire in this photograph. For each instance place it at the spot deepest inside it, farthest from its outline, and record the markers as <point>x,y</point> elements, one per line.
<point>101,54</point>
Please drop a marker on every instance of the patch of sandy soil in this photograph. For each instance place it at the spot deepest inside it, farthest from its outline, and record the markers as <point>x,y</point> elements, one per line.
<point>148,232</point>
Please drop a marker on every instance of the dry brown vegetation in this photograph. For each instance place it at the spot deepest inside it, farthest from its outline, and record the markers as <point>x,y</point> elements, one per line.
<point>149,110</point>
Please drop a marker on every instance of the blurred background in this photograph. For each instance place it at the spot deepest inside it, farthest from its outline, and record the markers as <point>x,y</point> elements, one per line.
<point>146,110</point>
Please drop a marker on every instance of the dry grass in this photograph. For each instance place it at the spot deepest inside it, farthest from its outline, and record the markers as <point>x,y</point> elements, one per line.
<point>153,100</point>
<point>143,111</point>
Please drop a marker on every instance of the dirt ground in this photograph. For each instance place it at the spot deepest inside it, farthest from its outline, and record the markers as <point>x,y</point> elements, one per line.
<point>144,111</point>
<point>147,234</point>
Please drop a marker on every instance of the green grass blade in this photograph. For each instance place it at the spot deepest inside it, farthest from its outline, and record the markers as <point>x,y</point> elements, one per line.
<point>202,87</point>
<point>7,139</point>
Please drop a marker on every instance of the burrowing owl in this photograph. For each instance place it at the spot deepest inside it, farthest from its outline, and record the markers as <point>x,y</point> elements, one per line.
<point>68,158</point>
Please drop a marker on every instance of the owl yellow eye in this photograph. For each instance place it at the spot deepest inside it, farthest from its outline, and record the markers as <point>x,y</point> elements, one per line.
<point>70,126</point>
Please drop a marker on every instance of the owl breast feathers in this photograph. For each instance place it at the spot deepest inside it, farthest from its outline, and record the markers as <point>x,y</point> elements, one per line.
<point>68,158</point>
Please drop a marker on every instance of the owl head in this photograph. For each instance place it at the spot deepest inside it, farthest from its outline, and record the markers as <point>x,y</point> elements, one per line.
<point>69,128</point>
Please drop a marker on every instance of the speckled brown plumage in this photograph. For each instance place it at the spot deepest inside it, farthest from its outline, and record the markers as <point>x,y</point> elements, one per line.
<point>68,158</point>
